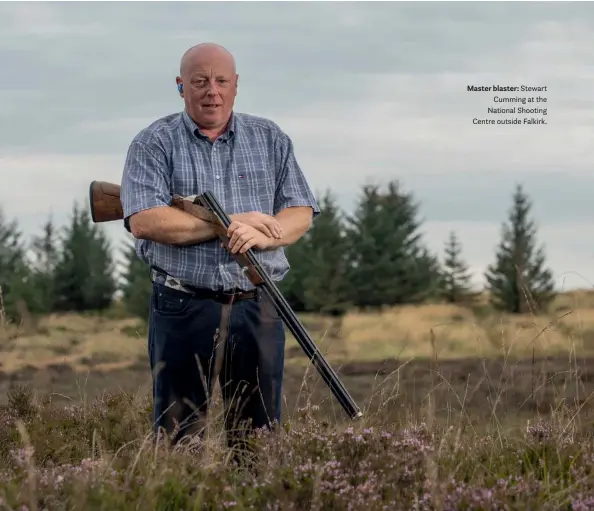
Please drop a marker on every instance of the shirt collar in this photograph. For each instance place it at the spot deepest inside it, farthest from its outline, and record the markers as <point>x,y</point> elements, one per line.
<point>195,130</point>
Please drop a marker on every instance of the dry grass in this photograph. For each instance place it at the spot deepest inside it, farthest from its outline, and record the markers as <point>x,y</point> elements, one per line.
<point>407,332</point>
<point>72,339</point>
<point>400,332</point>
<point>579,299</point>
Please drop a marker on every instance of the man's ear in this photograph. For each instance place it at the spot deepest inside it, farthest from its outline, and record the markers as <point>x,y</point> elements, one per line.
<point>180,86</point>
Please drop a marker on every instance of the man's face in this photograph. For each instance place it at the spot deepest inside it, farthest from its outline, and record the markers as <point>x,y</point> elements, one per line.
<point>209,89</point>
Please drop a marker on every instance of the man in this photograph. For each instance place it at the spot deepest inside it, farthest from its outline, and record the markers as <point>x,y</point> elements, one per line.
<point>205,316</point>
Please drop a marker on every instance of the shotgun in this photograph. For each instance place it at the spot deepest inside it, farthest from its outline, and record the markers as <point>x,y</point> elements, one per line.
<point>106,206</point>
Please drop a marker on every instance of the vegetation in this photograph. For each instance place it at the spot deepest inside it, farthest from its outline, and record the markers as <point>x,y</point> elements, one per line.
<point>455,284</point>
<point>102,456</point>
<point>472,400</point>
<point>519,280</point>
<point>369,260</point>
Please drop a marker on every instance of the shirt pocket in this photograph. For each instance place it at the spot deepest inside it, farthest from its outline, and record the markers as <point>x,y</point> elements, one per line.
<point>255,183</point>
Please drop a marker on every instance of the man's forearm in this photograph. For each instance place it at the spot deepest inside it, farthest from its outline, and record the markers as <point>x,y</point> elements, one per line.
<point>171,226</point>
<point>295,222</point>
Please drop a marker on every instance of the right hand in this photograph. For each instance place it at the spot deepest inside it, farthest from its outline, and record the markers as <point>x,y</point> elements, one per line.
<point>264,223</point>
<point>242,237</point>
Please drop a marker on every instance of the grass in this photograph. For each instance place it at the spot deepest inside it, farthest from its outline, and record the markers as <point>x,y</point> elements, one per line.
<point>102,456</point>
<point>400,332</point>
<point>463,410</point>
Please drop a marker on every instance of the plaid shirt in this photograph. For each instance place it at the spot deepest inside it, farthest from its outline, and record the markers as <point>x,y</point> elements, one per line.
<point>251,167</point>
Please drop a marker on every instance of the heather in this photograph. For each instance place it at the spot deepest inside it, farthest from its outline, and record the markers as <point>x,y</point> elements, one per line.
<point>472,400</point>
<point>101,455</point>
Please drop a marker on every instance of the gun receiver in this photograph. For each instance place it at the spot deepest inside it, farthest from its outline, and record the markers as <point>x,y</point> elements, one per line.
<point>106,206</point>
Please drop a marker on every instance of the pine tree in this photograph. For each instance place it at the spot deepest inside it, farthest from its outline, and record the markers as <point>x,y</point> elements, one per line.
<point>325,284</point>
<point>11,248</point>
<point>518,280</point>
<point>456,286</point>
<point>388,263</point>
<point>45,258</point>
<point>292,286</point>
<point>13,270</point>
<point>137,285</point>
<point>84,277</point>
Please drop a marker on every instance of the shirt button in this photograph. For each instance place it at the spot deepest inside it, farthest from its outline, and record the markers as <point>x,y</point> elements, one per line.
<point>218,177</point>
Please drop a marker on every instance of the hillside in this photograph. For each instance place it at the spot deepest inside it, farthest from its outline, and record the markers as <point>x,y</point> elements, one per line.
<point>470,425</point>
<point>113,340</point>
<point>76,356</point>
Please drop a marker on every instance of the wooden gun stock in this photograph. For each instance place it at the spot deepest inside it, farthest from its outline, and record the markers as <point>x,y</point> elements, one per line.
<point>106,204</point>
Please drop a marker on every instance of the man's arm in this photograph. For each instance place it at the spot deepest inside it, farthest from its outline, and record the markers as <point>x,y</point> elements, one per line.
<point>295,206</point>
<point>172,226</point>
<point>295,221</point>
<point>146,196</point>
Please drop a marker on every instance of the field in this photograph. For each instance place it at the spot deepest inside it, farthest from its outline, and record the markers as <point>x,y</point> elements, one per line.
<point>464,409</point>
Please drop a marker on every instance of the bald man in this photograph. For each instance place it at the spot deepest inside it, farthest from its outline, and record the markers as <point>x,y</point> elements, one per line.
<point>206,318</point>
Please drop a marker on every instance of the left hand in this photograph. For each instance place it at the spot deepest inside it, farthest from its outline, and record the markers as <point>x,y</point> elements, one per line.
<point>261,221</point>
<point>242,237</point>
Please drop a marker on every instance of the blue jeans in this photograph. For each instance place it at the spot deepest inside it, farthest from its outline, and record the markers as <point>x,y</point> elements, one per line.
<point>183,360</point>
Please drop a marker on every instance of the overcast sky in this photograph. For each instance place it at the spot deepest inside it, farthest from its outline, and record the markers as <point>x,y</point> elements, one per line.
<point>367,92</point>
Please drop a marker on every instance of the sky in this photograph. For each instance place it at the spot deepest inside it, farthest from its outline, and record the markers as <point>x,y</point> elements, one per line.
<point>367,92</point>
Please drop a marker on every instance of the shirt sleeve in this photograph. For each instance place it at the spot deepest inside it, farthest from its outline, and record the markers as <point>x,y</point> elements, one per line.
<point>292,188</point>
<point>146,179</point>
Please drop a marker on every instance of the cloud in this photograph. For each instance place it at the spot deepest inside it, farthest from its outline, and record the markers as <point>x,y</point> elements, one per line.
<point>368,92</point>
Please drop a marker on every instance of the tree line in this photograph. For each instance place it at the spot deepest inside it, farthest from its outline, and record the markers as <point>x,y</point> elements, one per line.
<point>372,258</point>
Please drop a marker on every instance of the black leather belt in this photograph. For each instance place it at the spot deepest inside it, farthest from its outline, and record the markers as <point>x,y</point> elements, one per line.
<point>224,297</point>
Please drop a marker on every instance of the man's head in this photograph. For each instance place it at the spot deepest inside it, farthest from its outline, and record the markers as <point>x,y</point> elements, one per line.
<point>209,80</point>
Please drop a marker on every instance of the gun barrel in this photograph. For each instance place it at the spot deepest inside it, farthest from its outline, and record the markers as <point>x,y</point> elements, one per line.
<point>291,320</point>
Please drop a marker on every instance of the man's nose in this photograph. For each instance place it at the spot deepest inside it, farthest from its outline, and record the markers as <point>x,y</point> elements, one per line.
<point>213,88</point>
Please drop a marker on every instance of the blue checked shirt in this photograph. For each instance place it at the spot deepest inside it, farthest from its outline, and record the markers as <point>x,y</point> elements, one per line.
<point>251,167</point>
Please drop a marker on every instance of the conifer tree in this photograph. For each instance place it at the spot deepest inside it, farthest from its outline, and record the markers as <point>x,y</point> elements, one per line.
<point>84,277</point>
<point>137,285</point>
<point>13,270</point>
<point>326,288</point>
<point>456,286</point>
<point>518,280</point>
<point>293,284</point>
<point>389,264</point>
<point>11,247</point>
<point>45,258</point>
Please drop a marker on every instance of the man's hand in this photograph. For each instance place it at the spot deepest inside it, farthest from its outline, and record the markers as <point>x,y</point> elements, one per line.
<point>242,237</point>
<point>264,223</point>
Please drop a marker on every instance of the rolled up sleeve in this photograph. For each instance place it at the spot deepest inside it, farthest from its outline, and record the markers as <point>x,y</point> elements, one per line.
<point>146,179</point>
<point>292,188</point>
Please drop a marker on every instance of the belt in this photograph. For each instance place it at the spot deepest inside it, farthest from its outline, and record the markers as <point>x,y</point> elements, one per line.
<point>224,297</point>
